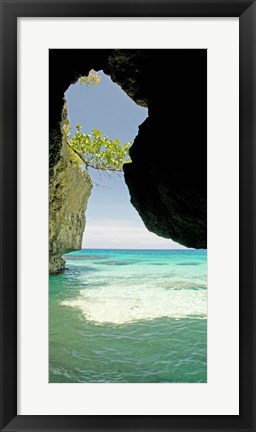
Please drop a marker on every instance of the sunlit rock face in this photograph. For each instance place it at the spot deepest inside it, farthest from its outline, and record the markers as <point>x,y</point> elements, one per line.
<point>167,178</point>
<point>69,190</point>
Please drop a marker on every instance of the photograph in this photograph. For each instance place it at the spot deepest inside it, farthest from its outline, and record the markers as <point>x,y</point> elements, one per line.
<point>127,215</point>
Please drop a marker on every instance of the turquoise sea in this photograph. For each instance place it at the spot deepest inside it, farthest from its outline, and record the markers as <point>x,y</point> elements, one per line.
<point>129,316</point>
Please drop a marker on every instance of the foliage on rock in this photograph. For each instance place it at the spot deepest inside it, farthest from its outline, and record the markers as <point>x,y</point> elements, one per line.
<point>97,151</point>
<point>92,79</point>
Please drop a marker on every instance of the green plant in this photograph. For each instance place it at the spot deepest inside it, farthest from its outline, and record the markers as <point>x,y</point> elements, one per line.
<point>97,151</point>
<point>92,79</point>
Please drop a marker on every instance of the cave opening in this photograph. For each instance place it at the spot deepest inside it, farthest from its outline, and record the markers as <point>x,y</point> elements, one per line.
<point>111,220</point>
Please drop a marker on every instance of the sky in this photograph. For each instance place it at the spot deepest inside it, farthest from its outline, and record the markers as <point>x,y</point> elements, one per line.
<point>111,220</point>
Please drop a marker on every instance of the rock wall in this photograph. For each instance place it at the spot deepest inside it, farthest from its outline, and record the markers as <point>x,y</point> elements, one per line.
<point>69,190</point>
<point>167,178</point>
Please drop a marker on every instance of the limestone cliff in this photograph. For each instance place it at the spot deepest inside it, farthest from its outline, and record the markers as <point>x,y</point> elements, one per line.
<point>69,190</point>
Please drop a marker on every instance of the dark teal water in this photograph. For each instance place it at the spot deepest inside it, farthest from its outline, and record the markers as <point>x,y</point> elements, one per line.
<point>133,316</point>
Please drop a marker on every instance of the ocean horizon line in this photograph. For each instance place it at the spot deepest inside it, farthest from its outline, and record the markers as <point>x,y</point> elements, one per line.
<point>138,249</point>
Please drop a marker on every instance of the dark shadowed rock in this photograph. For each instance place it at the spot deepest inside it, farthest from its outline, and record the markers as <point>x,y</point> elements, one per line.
<point>167,178</point>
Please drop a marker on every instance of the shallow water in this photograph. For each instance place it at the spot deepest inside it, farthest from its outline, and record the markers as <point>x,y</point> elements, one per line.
<point>129,316</point>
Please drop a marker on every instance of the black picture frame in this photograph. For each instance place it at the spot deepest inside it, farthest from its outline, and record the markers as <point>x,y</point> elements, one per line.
<point>10,11</point>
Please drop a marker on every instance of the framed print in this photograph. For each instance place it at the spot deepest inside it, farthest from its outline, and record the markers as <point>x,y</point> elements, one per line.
<point>121,354</point>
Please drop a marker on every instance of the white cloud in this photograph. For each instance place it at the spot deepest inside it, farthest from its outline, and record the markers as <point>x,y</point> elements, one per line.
<point>123,234</point>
